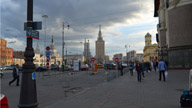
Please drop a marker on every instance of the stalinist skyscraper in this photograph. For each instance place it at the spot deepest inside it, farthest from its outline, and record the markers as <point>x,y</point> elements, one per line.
<point>100,48</point>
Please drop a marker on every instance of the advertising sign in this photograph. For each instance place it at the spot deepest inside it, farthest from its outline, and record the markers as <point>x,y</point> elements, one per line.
<point>75,65</point>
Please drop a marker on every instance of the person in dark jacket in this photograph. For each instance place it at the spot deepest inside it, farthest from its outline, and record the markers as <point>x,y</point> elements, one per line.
<point>131,66</point>
<point>15,75</point>
<point>139,70</point>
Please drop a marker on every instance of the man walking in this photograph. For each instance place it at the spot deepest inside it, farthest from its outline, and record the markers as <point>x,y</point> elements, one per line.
<point>162,68</point>
<point>15,75</point>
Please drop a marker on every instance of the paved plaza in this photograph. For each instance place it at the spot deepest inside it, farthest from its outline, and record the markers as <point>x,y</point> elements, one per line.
<point>82,90</point>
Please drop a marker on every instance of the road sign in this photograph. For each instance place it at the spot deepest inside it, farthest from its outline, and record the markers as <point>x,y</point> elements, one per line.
<point>36,25</point>
<point>116,59</point>
<point>33,76</point>
<point>32,34</point>
<point>47,48</point>
<point>92,59</point>
<point>47,55</point>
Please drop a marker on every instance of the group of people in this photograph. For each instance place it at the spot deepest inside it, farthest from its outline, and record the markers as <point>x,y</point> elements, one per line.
<point>141,67</point>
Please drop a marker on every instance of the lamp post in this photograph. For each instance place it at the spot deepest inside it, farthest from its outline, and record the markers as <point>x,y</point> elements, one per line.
<point>45,16</point>
<point>63,44</point>
<point>28,92</point>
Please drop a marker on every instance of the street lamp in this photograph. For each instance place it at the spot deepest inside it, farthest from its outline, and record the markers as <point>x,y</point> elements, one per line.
<point>63,43</point>
<point>28,92</point>
<point>45,16</point>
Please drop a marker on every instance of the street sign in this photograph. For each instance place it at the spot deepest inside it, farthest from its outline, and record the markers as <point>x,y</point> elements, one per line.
<point>36,25</point>
<point>92,59</point>
<point>47,55</point>
<point>33,76</point>
<point>32,34</point>
<point>116,59</point>
<point>47,48</point>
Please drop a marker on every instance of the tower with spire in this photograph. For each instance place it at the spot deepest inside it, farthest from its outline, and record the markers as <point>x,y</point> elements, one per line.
<point>54,54</point>
<point>100,48</point>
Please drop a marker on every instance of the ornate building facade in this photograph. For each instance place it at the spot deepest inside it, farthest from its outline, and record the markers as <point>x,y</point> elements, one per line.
<point>100,48</point>
<point>150,50</point>
<point>174,32</point>
<point>54,55</point>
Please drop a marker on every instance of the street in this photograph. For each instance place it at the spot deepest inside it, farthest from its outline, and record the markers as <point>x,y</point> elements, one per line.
<point>83,90</point>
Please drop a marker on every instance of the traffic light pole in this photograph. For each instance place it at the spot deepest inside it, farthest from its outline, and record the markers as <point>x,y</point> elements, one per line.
<point>28,93</point>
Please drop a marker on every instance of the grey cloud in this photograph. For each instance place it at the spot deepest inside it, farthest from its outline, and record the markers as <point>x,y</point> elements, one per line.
<point>84,16</point>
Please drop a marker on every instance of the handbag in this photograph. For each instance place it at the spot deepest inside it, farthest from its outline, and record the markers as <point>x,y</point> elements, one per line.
<point>166,74</point>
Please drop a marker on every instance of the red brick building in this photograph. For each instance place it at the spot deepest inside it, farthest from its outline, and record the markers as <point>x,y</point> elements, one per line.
<point>6,54</point>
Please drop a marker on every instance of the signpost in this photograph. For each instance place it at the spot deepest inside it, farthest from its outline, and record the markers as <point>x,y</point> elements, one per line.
<point>32,34</point>
<point>116,59</point>
<point>48,56</point>
<point>36,25</point>
<point>92,59</point>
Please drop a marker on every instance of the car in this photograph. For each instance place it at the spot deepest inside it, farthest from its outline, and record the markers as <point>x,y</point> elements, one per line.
<point>2,68</point>
<point>9,67</point>
<point>1,74</point>
<point>54,67</point>
<point>109,66</point>
<point>100,66</point>
<point>40,69</point>
<point>84,67</point>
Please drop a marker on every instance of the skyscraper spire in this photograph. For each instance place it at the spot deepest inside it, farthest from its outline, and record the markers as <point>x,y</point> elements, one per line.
<point>100,34</point>
<point>52,39</point>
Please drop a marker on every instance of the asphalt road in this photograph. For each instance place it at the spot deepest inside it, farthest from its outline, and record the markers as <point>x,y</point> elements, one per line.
<point>53,86</point>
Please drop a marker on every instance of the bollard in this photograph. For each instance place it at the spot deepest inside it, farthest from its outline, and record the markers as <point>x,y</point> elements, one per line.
<point>190,80</point>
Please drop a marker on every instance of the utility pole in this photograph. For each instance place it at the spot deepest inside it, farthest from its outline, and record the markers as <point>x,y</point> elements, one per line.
<point>63,43</point>
<point>28,93</point>
<point>63,48</point>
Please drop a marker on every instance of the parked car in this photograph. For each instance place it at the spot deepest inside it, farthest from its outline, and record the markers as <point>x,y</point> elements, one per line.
<point>9,67</point>
<point>2,68</point>
<point>100,66</point>
<point>54,67</point>
<point>40,69</point>
<point>109,66</point>
<point>84,67</point>
<point>1,74</point>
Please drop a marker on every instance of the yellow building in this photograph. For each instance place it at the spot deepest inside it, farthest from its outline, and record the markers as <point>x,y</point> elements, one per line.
<point>150,50</point>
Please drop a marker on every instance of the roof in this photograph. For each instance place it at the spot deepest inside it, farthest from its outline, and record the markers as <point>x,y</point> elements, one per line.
<point>156,7</point>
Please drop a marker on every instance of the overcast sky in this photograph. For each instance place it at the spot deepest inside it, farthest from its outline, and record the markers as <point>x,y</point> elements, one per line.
<point>123,22</point>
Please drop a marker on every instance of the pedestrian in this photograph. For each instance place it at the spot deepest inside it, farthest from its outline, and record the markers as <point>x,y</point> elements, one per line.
<point>152,65</point>
<point>143,68</point>
<point>131,66</point>
<point>139,70</point>
<point>162,68</point>
<point>121,69</point>
<point>15,75</point>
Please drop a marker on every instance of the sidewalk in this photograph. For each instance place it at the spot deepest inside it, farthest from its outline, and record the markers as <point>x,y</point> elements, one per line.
<point>126,92</point>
